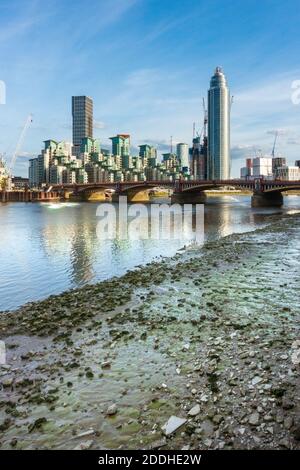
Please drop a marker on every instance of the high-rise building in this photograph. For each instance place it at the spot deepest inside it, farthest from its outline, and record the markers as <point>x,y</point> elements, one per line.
<point>278,162</point>
<point>183,156</point>
<point>82,113</point>
<point>148,154</point>
<point>218,127</point>
<point>121,144</point>
<point>262,167</point>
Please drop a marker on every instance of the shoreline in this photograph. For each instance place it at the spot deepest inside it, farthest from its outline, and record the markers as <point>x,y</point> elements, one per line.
<point>105,366</point>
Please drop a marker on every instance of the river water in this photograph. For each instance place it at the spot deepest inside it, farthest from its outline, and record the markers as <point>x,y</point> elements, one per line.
<point>47,248</point>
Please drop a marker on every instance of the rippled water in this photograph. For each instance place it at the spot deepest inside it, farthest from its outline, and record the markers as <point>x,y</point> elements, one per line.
<point>50,247</point>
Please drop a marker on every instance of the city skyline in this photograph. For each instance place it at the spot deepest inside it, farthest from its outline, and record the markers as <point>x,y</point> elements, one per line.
<point>153,90</point>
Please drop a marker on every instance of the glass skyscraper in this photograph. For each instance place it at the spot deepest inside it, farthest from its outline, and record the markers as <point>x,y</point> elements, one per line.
<point>82,113</point>
<point>218,127</point>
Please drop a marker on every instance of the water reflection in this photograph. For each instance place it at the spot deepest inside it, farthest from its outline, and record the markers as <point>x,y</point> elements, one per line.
<point>48,248</point>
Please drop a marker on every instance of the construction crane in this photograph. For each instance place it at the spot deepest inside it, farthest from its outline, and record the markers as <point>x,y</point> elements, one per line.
<point>20,142</point>
<point>274,146</point>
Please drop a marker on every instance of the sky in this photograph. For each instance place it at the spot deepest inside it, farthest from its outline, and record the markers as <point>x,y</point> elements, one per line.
<point>147,64</point>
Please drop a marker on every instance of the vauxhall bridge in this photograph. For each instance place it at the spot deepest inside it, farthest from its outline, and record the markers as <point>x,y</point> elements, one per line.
<point>264,192</point>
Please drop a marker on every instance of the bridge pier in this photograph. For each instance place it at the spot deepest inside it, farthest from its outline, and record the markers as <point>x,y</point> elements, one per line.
<point>265,199</point>
<point>141,196</point>
<point>188,198</point>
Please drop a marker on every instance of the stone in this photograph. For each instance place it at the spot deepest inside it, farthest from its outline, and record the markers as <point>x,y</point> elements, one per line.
<point>204,398</point>
<point>84,445</point>
<point>217,419</point>
<point>172,425</point>
<point>194,411</point>
<point>287,404</point>
<point>106,365</point>
<point>89,432</point>
<point>288,422</point>
<point>254,419</point>
<point>256,380</point>
<point>38,423</point>
<point>7,382</point>
<point>112,410</point>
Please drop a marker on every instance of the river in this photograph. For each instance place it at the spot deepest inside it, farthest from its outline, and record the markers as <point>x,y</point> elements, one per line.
<point>48,248</point>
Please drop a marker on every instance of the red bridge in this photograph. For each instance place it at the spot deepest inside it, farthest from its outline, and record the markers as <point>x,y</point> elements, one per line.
<point>265,192</point>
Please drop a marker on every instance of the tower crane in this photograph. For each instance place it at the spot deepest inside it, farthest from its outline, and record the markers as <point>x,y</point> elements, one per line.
<point>20,142</point>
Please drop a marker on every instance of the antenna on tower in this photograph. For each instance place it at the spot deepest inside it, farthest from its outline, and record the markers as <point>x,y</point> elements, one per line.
<point>194,129</point>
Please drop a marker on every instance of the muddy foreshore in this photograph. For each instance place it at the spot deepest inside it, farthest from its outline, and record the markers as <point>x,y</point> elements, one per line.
<point>210,336</point>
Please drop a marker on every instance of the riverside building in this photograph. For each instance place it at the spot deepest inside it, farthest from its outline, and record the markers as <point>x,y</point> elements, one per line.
<point>218,127</point>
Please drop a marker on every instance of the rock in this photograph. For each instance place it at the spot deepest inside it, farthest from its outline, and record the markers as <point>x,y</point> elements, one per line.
<point>204,398</point>
<point>288,422</point>
<point>207,428</point>
<point>287,404</point>
<point>84,445</point>
<point>207,442</point>
<point>13,442</point>
<point>38,423</point>
<point>217,419</point>
<point>254,419</point>
<point>284,443</point>
<point>296,432</point>
<point>194,411</point>
<point>256,380</point>
<point>112,410</point>
<point>296,357</point>
<point>158,444</point>
<point>172,425</point>
<point>89,432</point>
<point>7,382</point>
<point>194,391</point>
<point>106,365</point>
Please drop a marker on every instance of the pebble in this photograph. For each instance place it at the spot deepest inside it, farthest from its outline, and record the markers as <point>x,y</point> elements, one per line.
<point>254,419</point>
<point>84,445</point>
<point>172,425</point>
<point>194,411</point>
<point>112,410</point>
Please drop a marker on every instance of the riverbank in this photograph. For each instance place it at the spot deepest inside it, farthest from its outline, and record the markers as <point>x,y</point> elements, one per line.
<point>208,336</point>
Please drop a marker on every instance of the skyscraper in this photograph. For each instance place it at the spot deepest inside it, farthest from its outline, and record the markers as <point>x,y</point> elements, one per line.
<point>218,127</point>
<point>82,113</point>
<point>183,156</point>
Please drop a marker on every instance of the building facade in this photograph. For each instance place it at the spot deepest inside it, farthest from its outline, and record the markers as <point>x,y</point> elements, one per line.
<point>82,114</point>
<point>182,151</point>
<point>218,127</point>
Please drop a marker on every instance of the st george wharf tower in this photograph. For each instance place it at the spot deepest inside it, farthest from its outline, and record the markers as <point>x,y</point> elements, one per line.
<point>218,127</point>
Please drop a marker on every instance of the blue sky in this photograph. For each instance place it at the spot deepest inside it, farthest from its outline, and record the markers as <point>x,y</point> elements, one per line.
<point>147,64</point>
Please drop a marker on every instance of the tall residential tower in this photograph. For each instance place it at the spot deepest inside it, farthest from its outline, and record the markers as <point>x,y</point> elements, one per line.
<point>218,127</point>
<point>82,112</point>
